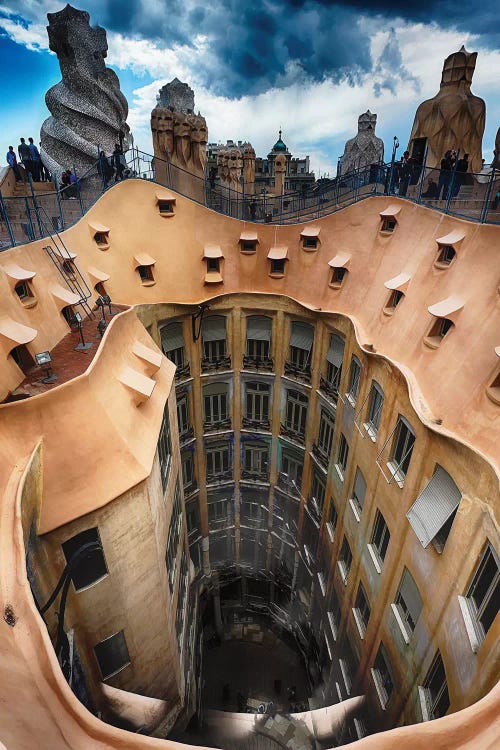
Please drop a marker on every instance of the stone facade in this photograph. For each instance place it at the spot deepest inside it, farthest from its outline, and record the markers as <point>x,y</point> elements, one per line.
<point>88,110</point>
<point>365,148</point>
<point>454,118</point>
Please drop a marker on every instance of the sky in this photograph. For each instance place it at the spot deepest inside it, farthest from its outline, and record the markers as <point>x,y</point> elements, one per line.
<point>310,67</point>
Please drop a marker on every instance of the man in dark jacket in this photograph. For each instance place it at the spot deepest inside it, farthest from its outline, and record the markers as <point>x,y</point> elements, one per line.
<point>25,156</point>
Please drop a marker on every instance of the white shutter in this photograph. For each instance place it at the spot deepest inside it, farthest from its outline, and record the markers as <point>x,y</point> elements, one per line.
<point>411,595</point>
<point>259,328</point>
<point>335,353</point>
<point>360,487</point>
<point>435,504</point>
<point>171,337</point>
<point>214,328</point>
<point>302,336</point>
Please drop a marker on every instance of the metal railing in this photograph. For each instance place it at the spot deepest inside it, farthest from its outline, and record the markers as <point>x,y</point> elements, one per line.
<point>473,196</point>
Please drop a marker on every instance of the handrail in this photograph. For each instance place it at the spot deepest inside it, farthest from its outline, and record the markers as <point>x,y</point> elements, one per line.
<point>481,204</point>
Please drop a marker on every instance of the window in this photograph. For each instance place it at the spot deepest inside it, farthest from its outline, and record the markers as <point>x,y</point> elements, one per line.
<point>248,246</point>
<point>172,343</point>
<point>382,676</point>
<point>180,619</point>
<point>358,494</point>
<point>215,404</point>
<point>334,357</point>
<point>361,611</point>
<point>432,514</point>
<point>446,255</point>
<point>342,456</point>
<point>296,413</point>
<point>481,603</point>
<point>334,615</point>
<point>338,276</point>
<point>402,448</point>
<point>68,267</point>
<point>112,655</point>
<point>301,342</point>
<point>101,238</point>
<point>257,404</point>
<point>91,565</point>
<point>379,541</point>
<point>218,466</point>
<point>187,464</point>
<point>278,266</point>
<point>311,243</point>
<point>437,332</point>
<point>291,471</point>
<point>174,535</point>
<point>183,415</point>
<point>258,338</point>
<point>23,291</point>
<point>166,207</point>
<point>354,377</point>
<point>395,298</point>
<point>389,224</point>
<point>214,338</point>
<point>345,560</point>
<point>331,524</point>
<point>213,264</point>
<point>374,410</point>
<point>347,665</point>
<point>434,698</point>
<point>325,434</point>
<point>256,460</point>
<point>252,512</point>
<point>317,495</point>
<point>100,289</point>
<point>408,605</point>
<point>145,273</point>
<point>164,448</point>
<point>219,510</point>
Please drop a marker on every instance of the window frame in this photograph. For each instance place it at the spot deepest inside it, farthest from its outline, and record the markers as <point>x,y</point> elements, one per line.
<point>342,456</point>
<point>378,545</point>
<point>354,381</point>
<point>471,612</point>
<point>431,697</point>
<point>361,610</point>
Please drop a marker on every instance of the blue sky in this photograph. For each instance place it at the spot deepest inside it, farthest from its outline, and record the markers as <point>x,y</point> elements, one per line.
<point>308,66</point>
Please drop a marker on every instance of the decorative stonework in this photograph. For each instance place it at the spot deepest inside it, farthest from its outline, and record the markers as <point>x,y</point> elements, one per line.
<point>365,148</point>
<point>454,118</point>
<point>180,138</point>
<point>87,107</point>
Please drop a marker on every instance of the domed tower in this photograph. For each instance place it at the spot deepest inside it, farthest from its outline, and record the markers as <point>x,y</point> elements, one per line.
<point>279,147</point>
<point>454,118</point>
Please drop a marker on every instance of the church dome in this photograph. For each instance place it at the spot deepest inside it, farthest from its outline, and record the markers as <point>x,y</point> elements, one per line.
<point>280,146</point>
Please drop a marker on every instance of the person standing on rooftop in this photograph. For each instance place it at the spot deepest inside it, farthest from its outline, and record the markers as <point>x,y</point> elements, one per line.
<point>25,155</point>
<point>12,162</point>
<point>35,158</point>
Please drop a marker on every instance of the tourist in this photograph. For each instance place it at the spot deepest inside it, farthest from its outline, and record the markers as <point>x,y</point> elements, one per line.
<point>117,162</point>
<point>35,158</point>
<point>12,162</point>
<point>44,172</point>
<point>105,169</point>
<point>447,163</point>
<point>25,156</point>
<point>405,172</point>
<point>461,169</point>
<point>432,189</point>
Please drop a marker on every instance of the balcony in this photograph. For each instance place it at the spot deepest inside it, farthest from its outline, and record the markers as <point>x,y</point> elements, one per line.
<point>190,489</point>
<point>256,424</point>
<point>321,455</point>
<point>255,475</point>
<point>186,435</point>
<point>288,486</point>
<point>329,390</point>
<point>298,373</point>
<point>261,364</point>
<point>222,476</point>
<point>221,424</point>
<point>290,432</point>
<point>182,372</point>
<point>215,365</point>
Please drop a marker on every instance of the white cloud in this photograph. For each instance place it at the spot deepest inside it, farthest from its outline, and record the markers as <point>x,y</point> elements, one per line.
<point>33,37</point>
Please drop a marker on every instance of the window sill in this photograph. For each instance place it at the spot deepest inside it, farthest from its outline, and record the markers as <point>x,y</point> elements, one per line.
<point>386,232</point>
<point>339,472</point>
<point>381,693</point>
<point>359,623</point>
<point>102,246</point>
<point>343,573</point>
<point>441,265</point>
<point>396,474</point>
<point>117,671</point>
<point>29,302</point>
<point>401,625</point>
<point>370,431</point>
<point>351,399</point>
<point>494,395</point>
<point>345,676</point>
<point>433,342</point>
<point>166,214</point>
<point>91,585</point>
<point>424,707</point>
<point>475,642</point>
<point>148,283</point>
<point>310,249</point>
<point>377,564</point>
<point>389,311</point>
<point>330,532</point>
<point>335,284</point>
<point>213,277</point>
<point>277,275</point>
<point>355,509</point>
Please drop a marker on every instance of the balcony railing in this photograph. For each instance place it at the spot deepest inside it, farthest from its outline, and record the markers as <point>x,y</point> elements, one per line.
<point>329,390</point>
<point>256,475</point>
<point>256,424</point>
<point>182,371</point>
<point>291,432</point>
<point>264,364</point>
<point>299,373</point>
<point>222,476</point>
<point>221,424</point>
<point>190,489</point>
<point>186,435</point>
<point>215,365</point>
<point>288,486</point>
<point>320,453</point>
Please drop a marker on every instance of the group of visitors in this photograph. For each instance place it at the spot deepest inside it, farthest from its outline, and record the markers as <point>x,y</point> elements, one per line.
<point>452,175</point>
<point>29,157</point>
<point>115,165</point>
